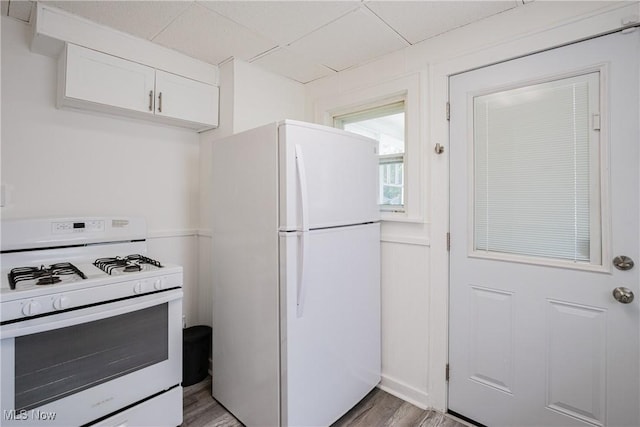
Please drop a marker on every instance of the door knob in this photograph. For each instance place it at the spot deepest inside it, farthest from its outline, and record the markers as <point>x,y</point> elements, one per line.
<point>623,295</point>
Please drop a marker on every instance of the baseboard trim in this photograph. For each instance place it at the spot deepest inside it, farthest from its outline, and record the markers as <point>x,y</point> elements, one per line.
<point>405,392</point>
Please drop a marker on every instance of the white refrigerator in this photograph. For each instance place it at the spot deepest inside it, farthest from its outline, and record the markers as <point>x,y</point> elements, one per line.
<point>296,273</point>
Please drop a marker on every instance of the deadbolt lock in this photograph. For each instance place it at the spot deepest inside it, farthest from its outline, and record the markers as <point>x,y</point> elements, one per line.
<point>623,262</point>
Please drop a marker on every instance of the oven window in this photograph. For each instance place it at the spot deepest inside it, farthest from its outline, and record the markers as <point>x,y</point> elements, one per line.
<point>54,364</point>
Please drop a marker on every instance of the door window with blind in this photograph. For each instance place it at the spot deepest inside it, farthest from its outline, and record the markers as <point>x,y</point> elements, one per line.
<point>385,124</point>
<point>537,181</point>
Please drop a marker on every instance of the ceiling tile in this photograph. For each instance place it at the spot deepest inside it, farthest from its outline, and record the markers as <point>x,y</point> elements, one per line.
<point>289,64</point>
<point>282,21</point>
<point>20,10</point>
<point>144,19</point>
<point>419,20</point>
<point>206,35</point>
<point>355,38</point>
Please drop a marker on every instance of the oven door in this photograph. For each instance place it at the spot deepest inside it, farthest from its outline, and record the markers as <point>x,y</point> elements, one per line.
<point>81,366</point>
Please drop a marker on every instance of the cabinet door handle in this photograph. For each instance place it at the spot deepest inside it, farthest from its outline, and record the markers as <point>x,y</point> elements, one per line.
<point>160,103</point>
<point>150,100</point>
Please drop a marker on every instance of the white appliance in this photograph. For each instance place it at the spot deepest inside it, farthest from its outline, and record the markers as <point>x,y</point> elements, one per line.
<point>90,327</point>
<point>296,273</point>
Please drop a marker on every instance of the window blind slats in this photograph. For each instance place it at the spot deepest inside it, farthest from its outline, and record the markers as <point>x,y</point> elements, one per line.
<point>531,170</point>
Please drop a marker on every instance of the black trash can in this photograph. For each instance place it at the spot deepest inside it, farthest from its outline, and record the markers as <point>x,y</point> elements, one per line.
<point>196,342</point>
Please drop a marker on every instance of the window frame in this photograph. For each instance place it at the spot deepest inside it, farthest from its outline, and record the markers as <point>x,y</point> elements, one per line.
<point>409,88</point>
<point>386,160</point>
<point>603,228</point>
<point>393,107</point>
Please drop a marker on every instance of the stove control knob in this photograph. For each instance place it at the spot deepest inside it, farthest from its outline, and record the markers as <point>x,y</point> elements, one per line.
<point>137,288</point>
<point>31,308</point>
<point>61,303</point>
<point>158,284</point>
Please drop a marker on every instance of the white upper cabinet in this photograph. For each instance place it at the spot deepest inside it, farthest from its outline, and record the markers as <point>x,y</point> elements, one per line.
<point>185,99</point>
<point>106,80</point>
<point>93,80</point>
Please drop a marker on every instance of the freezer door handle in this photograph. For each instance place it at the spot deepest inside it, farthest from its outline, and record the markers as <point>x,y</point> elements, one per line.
<point>302,182</point>
<point>303,228</point>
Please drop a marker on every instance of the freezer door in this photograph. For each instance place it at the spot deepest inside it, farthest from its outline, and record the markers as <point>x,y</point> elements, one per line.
<point>330,322</point>
<point>328,177</point>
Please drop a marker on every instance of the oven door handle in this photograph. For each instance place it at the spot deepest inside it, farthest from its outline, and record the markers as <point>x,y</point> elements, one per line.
<point>84,315</point>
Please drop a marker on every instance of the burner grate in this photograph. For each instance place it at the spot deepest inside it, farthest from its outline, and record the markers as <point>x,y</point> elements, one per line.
<point>44,275</point>
<point>128,264</point>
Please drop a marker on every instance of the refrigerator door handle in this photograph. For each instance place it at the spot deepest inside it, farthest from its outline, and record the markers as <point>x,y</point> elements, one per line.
<point>301,269</point>
<point>302,182</point>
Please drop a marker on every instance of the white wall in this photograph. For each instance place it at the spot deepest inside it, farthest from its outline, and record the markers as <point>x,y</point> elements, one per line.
<point>70,163</point>
<point>249,97</point>
<point>261,97</point>
<point>414,255</point>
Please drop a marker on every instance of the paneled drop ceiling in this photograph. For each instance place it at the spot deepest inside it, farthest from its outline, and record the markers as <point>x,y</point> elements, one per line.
<point>302,40</point>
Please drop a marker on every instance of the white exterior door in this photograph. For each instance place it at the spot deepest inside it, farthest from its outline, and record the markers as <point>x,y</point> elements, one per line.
<point>544,195</point>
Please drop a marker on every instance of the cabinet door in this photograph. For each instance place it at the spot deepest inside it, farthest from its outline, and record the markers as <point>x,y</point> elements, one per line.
<point>185,99</point>
<point>106,80</point>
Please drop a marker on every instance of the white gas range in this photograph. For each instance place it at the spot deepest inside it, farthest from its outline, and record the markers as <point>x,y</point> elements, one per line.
<point>90,326</point>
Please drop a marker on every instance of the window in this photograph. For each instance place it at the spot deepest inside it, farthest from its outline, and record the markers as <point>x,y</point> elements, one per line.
<point>404,176</point>
<point>385,124</point>
<point>537,171</point>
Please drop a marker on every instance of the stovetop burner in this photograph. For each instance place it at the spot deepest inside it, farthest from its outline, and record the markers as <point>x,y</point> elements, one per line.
<point>132,267</point>
<point>49,280</point>
<point>43,275</point>
<point>128,264</point>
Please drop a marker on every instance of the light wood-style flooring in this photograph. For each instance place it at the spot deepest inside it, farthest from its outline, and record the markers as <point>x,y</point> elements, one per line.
<point>377,409</point>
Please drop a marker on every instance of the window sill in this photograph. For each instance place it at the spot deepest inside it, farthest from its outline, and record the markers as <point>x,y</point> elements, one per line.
<point>399,217</point>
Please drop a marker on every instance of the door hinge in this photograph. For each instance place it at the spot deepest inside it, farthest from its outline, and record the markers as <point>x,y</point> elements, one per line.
<point>446,372</point>
<point>448,111</point>
<point>448,241</point>
<point>595,121</point>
